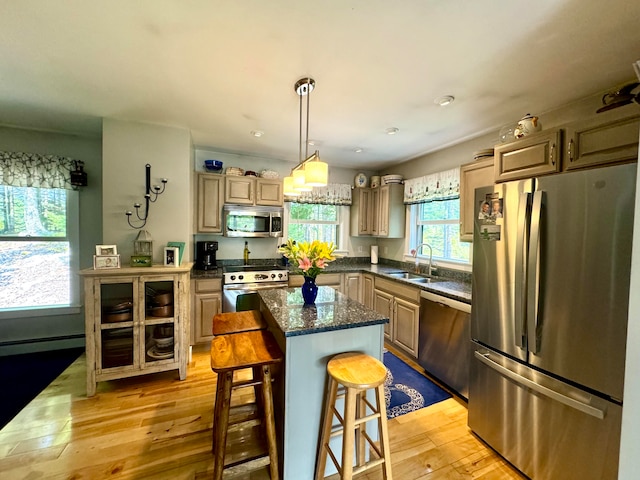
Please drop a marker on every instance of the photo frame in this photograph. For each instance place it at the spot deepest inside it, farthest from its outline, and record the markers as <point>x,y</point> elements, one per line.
<point>180,245</point>
<point>171,256</point>
<point>106,250</point>
<point>106,261</point>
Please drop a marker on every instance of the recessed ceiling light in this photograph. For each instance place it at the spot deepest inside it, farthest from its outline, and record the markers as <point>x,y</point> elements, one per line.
<point>357,150</point>
<point>257,133</point>
<point>392,130</point>
<point>444,100</point>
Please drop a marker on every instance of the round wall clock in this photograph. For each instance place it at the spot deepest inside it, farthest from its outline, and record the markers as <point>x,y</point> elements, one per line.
<point>361,180</point>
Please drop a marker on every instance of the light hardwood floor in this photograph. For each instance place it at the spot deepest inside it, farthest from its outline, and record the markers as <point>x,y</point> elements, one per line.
<point>158,427</point>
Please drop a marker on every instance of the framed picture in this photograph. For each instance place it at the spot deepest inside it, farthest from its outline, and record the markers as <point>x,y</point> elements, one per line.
<point>106,250</point>
<point>106,261</point>
<point>171,256</point>
<point>180,245</point>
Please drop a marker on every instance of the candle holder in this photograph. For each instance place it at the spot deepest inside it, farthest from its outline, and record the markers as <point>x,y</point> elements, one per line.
<point>151,195</point>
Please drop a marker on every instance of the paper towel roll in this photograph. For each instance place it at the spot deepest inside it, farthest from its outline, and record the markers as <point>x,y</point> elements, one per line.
<point>374,254</point>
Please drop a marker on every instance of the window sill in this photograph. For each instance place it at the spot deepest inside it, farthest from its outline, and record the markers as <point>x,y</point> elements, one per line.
<point>47,311</point>
<point>463,267</point>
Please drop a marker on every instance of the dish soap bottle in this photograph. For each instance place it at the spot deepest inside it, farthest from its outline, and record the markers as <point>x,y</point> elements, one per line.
<point>246,253</point>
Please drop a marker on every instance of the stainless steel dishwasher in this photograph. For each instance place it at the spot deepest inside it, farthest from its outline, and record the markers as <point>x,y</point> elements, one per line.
<point>444,348</point>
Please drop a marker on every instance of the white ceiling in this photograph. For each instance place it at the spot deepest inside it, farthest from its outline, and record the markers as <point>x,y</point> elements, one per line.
<point>225,68</point>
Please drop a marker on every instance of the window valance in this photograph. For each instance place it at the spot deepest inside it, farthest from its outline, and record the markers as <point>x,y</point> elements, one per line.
<point>430,188</point>
<point>332,194</point>
<point>20,169</point>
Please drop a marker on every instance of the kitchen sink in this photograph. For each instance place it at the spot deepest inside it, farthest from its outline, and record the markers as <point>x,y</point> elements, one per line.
<point>423,280</point>
<point>405,275</point>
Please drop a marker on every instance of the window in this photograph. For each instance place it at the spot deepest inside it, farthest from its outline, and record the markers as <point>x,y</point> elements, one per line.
<point>37,247</point>
<point>310,221</point>
<point>438,224</point>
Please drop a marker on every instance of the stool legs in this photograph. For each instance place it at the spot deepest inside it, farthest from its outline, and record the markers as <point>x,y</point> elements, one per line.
<point>270,427</point>
<point>221,422</point>
<point>350,401</point>
<point>383,433</point>
<point>326,428</point>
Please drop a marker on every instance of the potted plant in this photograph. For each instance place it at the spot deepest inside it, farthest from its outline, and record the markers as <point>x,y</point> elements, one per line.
<point>310,258</point>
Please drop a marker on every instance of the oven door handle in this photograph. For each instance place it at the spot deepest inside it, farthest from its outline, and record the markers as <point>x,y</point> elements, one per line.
<point>254,286</point>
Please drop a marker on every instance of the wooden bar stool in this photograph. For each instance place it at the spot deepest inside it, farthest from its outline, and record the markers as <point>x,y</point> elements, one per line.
<point>236,322</point>
<point>355,373</point>
<point>258,350</point>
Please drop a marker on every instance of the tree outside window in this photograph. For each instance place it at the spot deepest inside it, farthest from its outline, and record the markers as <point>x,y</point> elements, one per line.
<point>439,226</point>
<point>308,222</point>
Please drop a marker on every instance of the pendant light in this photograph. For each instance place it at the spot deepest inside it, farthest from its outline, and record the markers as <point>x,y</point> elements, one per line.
<point>311,171</point>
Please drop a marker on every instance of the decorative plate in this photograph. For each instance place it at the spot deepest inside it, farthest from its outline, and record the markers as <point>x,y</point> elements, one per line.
<point>361,180</point>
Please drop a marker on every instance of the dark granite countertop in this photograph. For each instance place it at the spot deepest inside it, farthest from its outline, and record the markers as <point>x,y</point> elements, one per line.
<point>332,311</point>
<point>448,287</point>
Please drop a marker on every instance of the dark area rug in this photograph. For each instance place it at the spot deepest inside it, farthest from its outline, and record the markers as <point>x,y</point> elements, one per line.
<point>406,390</point>
<point>24,376</point>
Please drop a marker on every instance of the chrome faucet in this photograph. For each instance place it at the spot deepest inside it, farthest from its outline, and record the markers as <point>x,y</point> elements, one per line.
<point>415,255</point>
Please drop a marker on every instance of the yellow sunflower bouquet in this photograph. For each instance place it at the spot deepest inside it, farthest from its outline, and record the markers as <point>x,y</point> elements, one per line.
<point>309,257</point>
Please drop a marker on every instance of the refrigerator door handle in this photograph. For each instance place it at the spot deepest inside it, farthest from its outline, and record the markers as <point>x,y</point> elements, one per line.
<point>533,270</point>
<point>541,389</point>
<point>521,270</point>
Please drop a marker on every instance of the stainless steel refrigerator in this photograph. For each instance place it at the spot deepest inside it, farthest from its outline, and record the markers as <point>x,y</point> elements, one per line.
<point>551,268</point>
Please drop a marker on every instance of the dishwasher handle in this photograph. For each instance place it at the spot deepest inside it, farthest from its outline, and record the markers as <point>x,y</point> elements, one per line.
<point>445,301</point>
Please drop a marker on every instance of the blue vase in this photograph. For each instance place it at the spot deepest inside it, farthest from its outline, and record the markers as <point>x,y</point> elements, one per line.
<point>309,290</point>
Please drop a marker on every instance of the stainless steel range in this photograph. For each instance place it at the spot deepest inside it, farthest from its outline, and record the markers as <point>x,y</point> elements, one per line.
<point>247,280</point>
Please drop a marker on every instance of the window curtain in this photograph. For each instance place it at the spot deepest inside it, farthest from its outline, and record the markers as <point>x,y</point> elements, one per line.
<point>430,188</point>
<point>20,169</point>
<point>332,194</point>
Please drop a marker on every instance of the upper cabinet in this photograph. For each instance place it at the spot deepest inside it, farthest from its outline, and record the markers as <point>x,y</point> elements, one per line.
<point>248,190</point>
<point>587,143</point>
<point>533,155</point>
<point>210,197</point>
<point>592,142</point>
<point>378,211</point>
<point>472,175</point>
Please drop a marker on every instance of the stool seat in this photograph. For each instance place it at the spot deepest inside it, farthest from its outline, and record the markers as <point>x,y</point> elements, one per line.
<point>357,370</point>
<point>258,350</point>
<point>236,322</point>
<point>353,373</point>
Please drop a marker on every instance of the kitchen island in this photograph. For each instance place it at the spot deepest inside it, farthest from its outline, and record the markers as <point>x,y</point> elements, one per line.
<point>309,336</point>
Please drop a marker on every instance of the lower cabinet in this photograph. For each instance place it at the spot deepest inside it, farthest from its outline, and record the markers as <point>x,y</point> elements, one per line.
<point>367,291</point>
<point>333,280</point>
<point>353,286</point>
<point>207,301</point>
<point>402,305</point>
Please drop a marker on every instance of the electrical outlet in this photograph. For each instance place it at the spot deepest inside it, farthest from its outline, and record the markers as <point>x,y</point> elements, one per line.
<point>360,249</point>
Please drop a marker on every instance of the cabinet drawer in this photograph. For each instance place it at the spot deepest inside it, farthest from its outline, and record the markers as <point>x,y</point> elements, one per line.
<point>208,285</point>
<point>397,290</point>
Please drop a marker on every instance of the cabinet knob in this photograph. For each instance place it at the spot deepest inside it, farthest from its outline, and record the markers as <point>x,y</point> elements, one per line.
<point>570,150</point>
<point>553,154</point>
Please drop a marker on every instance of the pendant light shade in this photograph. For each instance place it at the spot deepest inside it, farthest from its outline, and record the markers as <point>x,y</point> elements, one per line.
<point>288,189</point>
<point>299,181</point>
<point>316,173</point>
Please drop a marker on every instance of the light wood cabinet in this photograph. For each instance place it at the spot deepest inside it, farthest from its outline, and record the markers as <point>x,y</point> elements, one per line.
<point>207,302</point>
<point>401,304</point>
<point>536,154</point>
<point>472,175</point>
<point>367,291</point>
<point>123,320</point>
<point>594,142</point>
<point>210,197</point>
<point>378,211</point>
<point>361,212</point>
<point>249,190</point>
<point>333,280</point>
<point>353,286</point>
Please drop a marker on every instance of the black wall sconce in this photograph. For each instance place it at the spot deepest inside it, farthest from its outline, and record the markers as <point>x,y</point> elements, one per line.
<point>151,195</point>
<point>78,176</point>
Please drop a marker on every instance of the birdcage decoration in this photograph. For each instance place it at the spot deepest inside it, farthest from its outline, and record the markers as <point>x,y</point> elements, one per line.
<point>143,246</point>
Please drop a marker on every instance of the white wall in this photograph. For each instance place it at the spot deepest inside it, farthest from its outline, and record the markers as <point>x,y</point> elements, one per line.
<point>127,148</point>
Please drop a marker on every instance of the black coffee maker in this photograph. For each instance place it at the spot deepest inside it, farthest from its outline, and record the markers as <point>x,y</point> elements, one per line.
<point>206,255</point>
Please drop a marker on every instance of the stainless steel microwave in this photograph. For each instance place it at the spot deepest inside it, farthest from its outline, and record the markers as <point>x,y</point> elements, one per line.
<point>246,221</point>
